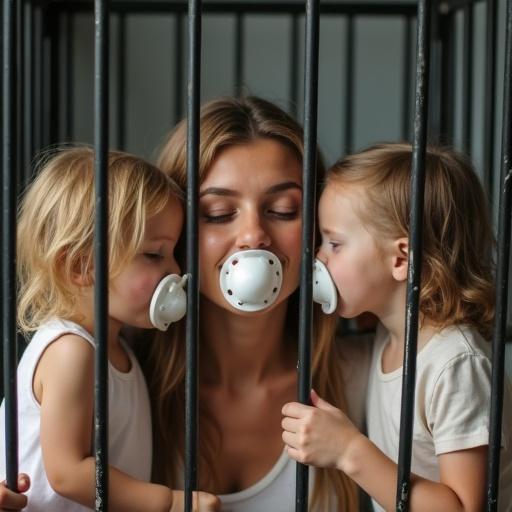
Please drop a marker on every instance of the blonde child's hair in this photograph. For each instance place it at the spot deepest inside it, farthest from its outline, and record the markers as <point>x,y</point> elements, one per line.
<point>56,226</point>
<point>457,270</point>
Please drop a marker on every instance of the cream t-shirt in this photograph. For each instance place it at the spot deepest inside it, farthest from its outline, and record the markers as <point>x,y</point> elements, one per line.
<point>452,403</point>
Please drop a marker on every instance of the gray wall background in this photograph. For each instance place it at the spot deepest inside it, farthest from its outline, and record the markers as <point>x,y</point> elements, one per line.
<point>379,81</point>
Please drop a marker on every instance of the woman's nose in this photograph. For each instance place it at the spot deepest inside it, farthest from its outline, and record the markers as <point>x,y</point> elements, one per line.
<point>252,234</point>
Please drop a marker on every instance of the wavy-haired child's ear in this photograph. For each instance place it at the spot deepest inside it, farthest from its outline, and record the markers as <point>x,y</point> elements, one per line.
<point>400,258</point>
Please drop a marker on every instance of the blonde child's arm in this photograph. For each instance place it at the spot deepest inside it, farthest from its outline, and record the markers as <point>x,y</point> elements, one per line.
<point>64,382</point>
<point>323,436</point>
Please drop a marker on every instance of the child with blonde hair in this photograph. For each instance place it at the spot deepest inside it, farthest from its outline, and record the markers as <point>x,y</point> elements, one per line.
<point>364,223</point>
<point>56,302</point>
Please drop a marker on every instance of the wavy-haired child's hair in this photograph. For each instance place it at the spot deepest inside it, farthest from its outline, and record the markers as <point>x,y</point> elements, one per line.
<point>228,122</point>
<point>56,226</point>
<point>457,269</point>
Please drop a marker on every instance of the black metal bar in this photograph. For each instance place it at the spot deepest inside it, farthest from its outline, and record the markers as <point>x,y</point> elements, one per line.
<point>20,107</point>
<point>415,251</point>
<point>28,115</point>
<point>121,81</point>
<point>467,77</point>
<point>239,52</point>
<point>308,226</point>
<point>38,78</point>
<point>502,278</point>
<point>407,67</point>
<point>489,97</point>
<point>192,322</point>
<point>294,64</point>
<point>251,7</point>
<point>349,84</point>
<point>101,94</point>
<point>9,165</point>
<point>178,70</point>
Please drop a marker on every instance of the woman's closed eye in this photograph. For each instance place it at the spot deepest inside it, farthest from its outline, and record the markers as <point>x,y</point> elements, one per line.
<point>218,217</point>
<point>284,214</point>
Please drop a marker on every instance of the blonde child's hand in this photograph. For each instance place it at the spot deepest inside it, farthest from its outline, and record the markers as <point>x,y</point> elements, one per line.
<point>318,435</point>
<point>9,500</point>
<point>201,502</point>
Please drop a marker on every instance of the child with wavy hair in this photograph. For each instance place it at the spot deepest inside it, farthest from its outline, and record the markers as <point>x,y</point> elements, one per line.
<point>364,223</point>
<point>56,300</point>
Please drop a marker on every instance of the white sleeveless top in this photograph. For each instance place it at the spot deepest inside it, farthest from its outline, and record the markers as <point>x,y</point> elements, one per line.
<point>275,492</point>
<point>130,437</point>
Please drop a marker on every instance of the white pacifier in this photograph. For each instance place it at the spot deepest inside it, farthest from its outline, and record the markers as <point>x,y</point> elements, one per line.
<point>169,301</point>
<point>324,290</point>
<point>251,280</point>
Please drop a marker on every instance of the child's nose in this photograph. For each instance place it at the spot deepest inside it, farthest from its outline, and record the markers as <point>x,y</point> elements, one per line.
<point>320,255</point>
<point>252,233</point>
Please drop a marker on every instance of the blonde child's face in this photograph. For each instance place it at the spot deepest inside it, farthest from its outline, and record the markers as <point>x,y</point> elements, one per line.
<point>251,198</point>
<point>359,266</point>
<point>130,292</point>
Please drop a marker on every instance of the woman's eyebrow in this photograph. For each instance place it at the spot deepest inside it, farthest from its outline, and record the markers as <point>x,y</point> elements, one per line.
<point>280,187</point>
<point>218,191</point>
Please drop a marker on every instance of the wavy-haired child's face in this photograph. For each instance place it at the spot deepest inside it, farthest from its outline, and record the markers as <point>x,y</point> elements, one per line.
<point>130,291</point>
<point>360,265</point>
<point>251,198</point>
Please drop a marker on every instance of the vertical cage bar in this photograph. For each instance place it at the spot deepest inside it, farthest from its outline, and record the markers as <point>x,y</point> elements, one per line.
<point>20,107</point>
<point>406,66</point>
<point>489,105</point>
<point>9,165</point>
<point>239,52</point>
<point>349,84</point>
<point>502,277</point>
<point>192,321</point>
<point>294,65</point>
<point>178,69</point>
<point>415,251</point>
<point>38,77</point>
<point>308,225</point>
<point>467,77</point>
<point>29,88</point>
<point>101,92</point>
<point>121,82</point>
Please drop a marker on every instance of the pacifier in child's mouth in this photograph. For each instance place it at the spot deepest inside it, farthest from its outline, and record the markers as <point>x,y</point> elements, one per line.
<point>169,301</point>
<point>324,290</point>
<point>251,280</point>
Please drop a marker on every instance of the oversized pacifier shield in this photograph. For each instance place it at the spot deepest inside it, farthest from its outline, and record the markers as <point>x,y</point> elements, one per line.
<point>251,280</point>
<point>324,290</point>
<point>169,302</point>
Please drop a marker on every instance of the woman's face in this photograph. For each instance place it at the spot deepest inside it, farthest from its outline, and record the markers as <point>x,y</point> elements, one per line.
<point>251,198</point>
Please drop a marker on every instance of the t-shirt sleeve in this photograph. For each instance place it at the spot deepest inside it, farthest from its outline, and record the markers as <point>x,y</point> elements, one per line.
<point>458,415</point>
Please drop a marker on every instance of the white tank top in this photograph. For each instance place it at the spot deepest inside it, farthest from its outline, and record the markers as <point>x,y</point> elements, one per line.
<point>130,438</point>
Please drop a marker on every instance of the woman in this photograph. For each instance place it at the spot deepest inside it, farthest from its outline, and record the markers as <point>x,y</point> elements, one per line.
<point>250,199</point>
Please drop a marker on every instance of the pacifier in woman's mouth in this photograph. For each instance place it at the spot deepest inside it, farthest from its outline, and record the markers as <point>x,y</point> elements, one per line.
<point>324,290</point>
<point>169,301</point>
<point>251,280</point>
